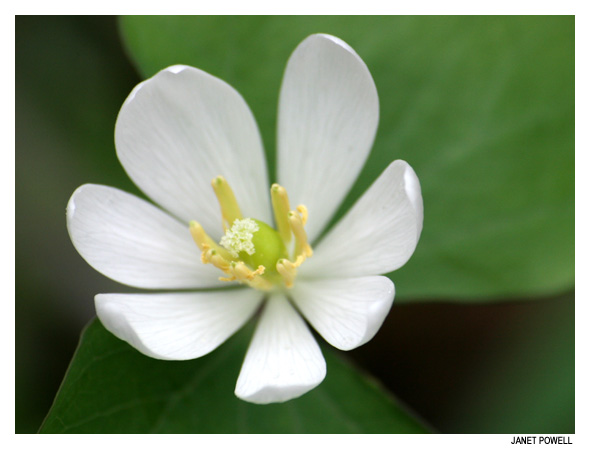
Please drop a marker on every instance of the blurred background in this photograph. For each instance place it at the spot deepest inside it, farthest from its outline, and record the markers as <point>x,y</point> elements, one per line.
<point>481,335</point>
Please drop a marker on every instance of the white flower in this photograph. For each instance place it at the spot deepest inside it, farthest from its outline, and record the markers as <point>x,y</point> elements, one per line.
<point>182,128</point>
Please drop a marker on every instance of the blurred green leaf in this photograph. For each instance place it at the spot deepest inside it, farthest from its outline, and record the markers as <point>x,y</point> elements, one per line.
<point>525,384</point>
<point>112,388</point>
<point>481,107</point>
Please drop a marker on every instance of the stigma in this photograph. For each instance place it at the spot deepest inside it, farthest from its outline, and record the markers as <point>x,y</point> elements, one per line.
<point>252,252</point>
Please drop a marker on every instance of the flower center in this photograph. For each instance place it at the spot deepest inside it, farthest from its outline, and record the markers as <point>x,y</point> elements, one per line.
<point>252,252</point>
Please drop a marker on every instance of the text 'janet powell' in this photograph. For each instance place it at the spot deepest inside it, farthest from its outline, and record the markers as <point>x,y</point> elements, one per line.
<point>540,440</point>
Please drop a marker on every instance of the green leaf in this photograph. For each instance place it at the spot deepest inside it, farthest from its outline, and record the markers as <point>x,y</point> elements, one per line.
<point>481,107</point>
<point>112,388</point>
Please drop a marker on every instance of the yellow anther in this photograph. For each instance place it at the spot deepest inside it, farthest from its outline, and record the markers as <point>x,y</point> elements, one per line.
<point>258,272</point>
<point>230,211</point>
<point>240,272</point>
<point>280,206</point>
<point>303,211</point>
<point>301,245</point>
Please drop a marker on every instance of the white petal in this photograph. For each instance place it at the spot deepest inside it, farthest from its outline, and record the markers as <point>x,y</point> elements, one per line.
<point>346,312</point>
<point>283,360</point>
<point>379,233</point>
<point>328,115</point>
<point>176,326</point>
<point>179,130</point>
<point>134,242</point>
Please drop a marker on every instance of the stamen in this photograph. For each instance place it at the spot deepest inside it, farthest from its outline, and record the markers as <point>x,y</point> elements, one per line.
<point>259,271</point>
<point>288,271</point>
<point>280,206</point>
<point>303,211</point>
<point>228,279</point>
<point>216,260</point>
<point>301,245</point>
<point>206,243</point>
<point>240,272</point>
<point>250,243</point>
<point>230,211</point>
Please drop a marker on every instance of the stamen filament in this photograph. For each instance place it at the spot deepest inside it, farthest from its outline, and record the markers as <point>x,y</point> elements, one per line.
<point>280,206</point>
<point>206,243</point>
<point>230,210</point>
